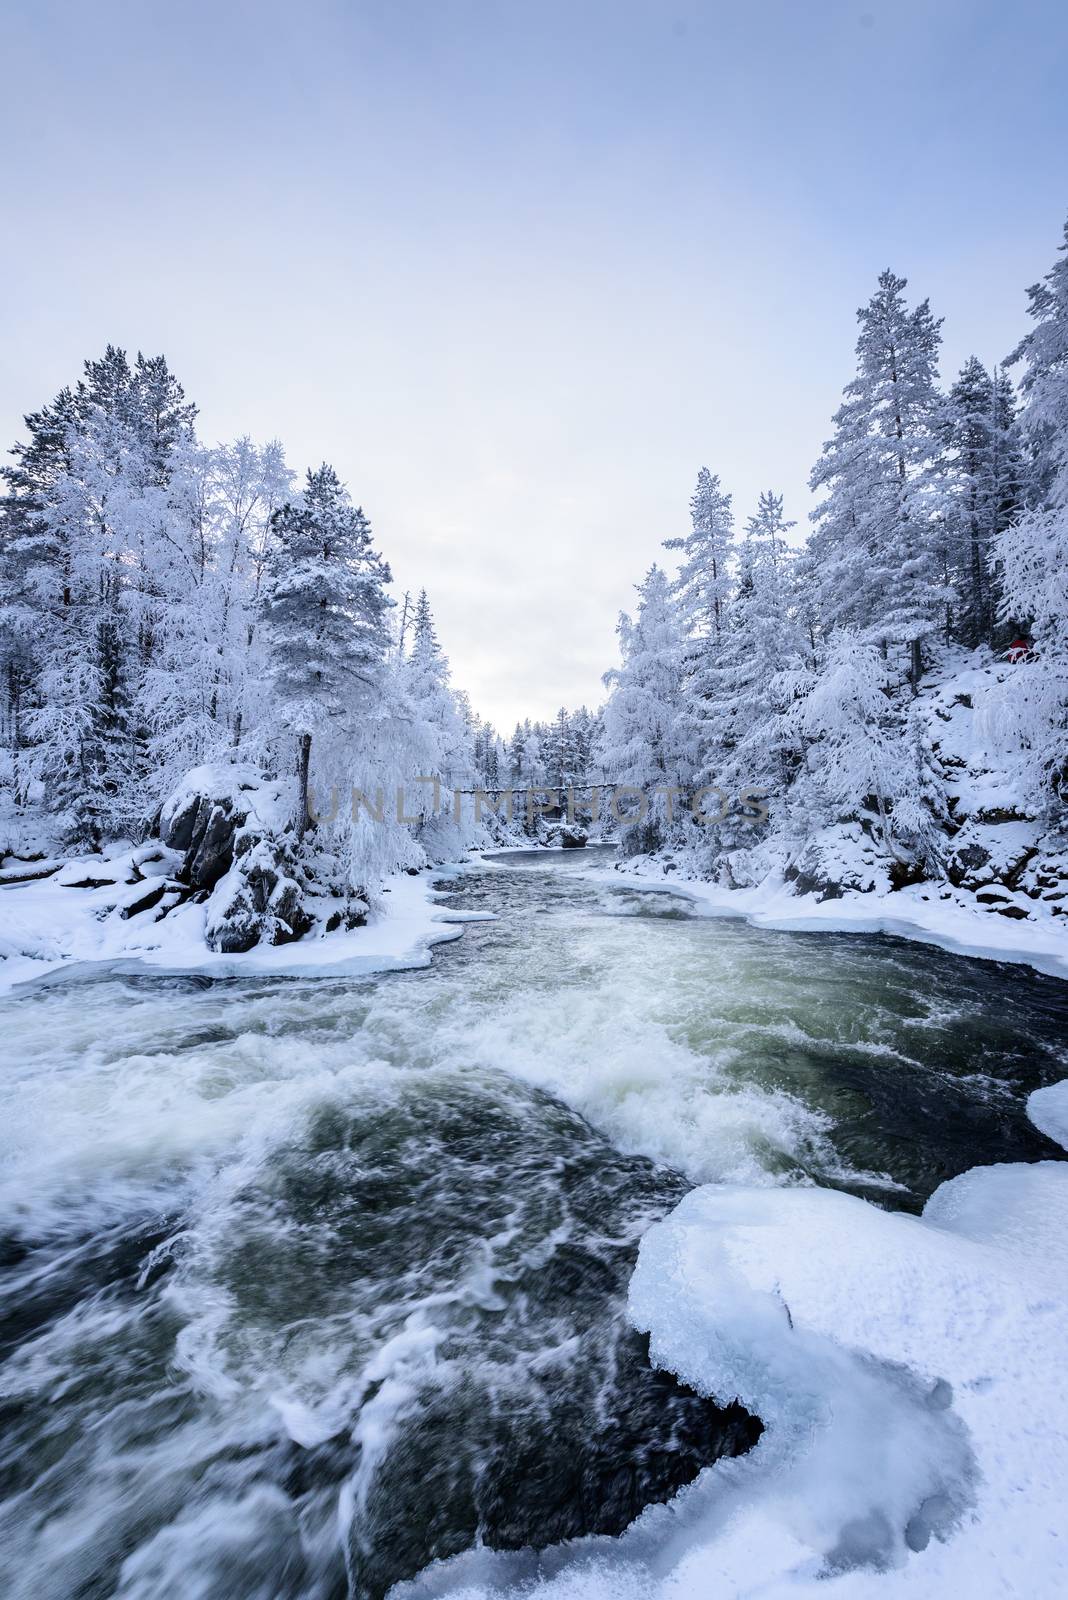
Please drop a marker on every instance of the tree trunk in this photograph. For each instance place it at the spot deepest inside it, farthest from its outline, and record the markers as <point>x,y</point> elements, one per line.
<point>303,763</point>
<point>915,664</point>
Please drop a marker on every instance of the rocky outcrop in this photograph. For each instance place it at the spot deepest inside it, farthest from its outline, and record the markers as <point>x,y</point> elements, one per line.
<point>234,830</point>
<point>840,860</point>
<point>203,828</point>
<point>260,900</point>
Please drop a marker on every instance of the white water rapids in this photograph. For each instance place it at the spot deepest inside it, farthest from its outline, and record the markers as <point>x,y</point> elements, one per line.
<point>308,1283</point>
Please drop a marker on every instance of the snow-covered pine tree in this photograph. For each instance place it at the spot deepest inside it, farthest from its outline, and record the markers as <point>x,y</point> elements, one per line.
<point>1044,384</point>
<point>89,514</point>
<point>515,752</point>
<point>205,677</point>
<point>742,724</point>
<point>447,730</point>
<point>532,757</point>
<point>644,742</point>
<point>985,477</point>
<point>582,732</point>
<point>1033,552</point>
<point>877,541</point>
<point>703,584</point>
<point>558,752</point>
<point>323,610</point>
<point>855,750</point>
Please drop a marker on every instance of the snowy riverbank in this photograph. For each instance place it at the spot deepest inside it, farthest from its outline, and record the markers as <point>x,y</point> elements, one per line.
<point>929,913</point>
<point>50,925</point>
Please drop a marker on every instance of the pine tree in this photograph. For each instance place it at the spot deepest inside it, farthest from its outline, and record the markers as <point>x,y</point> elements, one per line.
<point>88,516</point>
<point>1044,352</point>
<point>324,614</point>
<point>644,743</point>
<point>582,732</point>
<point>703,584</point>
<point>558,752</point>
<point>986,478</point>
<point>1033,551</point>
<point>856,754</point>
<point>740,715</point>
<point>515,751</point>
<point>450,730</point>
<point>877,543</point>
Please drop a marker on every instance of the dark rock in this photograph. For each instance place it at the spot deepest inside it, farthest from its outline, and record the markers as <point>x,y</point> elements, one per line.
<point>965,861</point>
<point>205,829</point>
<point>145,902</point>
<point>1013,874</point>
<point>1001,814</point>
<point>573,838</point>
<point>177,832</point>
<point>904,874</point>
<point>1016,912</point>
<point>10,877</point>
<point>211,852</point>
<point>353,915</point>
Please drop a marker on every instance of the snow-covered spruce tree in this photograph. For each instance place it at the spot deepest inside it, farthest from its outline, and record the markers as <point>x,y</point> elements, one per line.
<point>442,737</point>
<point>863,758</point>
<point>644,740</point>
<point>560,753</point>
<point>746,742</point>
<point>985,478</point>
<point>703,583</point>
<point>877,544</point>
<point>583,732</point>
<point>323,609</point>
<point>515,751</point>
<point>703,590</point>
<point>88,748</point>
<point>1032,710</point>
<point>89,510</point>
<point>1044,384</point>
<point>245,485</point>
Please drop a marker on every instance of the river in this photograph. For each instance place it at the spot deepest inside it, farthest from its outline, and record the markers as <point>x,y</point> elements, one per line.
<point>309,1283</point>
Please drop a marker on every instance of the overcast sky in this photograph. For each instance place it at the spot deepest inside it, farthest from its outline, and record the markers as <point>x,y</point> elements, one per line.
<point>519,270</point>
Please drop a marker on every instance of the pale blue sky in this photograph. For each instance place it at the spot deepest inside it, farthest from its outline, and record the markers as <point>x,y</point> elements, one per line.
<point>519,270</point>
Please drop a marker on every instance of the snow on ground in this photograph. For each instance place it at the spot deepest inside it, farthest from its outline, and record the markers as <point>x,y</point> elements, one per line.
<point>910,1371</point>
<point>928,913</point>
<point>49,924</point>
<point>1048,1110</point>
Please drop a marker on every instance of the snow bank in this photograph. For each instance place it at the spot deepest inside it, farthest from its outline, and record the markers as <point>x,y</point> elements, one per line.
<point>910,1372</point>
<point>1048,1110</point>
<point>49,925</point>
<point>926,913</point>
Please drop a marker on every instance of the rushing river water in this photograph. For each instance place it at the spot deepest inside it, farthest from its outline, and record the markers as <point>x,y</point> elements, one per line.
<point>306,1284</point>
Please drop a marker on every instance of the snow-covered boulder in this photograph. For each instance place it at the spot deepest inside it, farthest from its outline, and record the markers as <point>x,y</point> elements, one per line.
<point>985,853</point>
<point>233,827</point>
<point>260,900</point>
<point>212,804</point>
<point>838,860</point>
